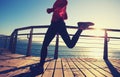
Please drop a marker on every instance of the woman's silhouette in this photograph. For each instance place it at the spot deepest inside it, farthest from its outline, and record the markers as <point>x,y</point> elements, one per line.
<point>58,26</point>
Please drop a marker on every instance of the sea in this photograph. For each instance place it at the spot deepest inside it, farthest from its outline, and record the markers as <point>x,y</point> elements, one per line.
<point>64,51</point>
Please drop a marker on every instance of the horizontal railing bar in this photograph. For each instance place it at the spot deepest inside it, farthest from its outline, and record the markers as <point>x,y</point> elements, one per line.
<point>83,42</point>
<point>72,35</point>
<point>114,37</point>
<point>73,27</point>
<point>116,30</point>
<point>4,36</point>
<point>32,34</point>
<point>113,44</point>
<point>91,43</point>
<point>69,34</point>
<point>110,47</point>
<point>29,27</point>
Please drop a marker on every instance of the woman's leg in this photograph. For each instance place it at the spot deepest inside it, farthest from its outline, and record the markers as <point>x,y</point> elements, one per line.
<point>50,34</point>
<point>39,69</point>
<point>65,36</point>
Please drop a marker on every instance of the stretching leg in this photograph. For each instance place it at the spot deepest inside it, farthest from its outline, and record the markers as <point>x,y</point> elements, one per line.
<point>39,69</point>
<point>65,36</point>
<point>51,32</point>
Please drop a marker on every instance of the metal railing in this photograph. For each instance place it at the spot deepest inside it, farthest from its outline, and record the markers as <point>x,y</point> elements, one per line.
<point>4,41</point>
<point>30,33</point>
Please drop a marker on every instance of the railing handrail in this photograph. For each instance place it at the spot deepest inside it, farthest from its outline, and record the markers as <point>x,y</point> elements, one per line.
<point>73,27</point>
<point>15,34</point>
<point>29,27</point>
<point>4,36</point>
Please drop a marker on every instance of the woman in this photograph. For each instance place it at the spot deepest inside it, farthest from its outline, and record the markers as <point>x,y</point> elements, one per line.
<point>58,26</point>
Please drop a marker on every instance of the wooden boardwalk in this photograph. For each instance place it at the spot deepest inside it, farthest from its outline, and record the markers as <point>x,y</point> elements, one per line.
<point>15,65</point>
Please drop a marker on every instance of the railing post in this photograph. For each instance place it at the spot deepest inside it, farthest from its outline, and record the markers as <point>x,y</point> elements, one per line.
<point>105,55</point>
<point>29,43</point>
<point>56,47</point>
<point>13,41</point>
<point>5,41</point>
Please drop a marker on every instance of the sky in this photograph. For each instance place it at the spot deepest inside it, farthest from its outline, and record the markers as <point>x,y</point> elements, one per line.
<point>22,13</point>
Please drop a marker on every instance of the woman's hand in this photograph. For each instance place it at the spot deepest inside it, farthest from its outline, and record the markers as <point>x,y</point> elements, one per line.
<point>49,10</point>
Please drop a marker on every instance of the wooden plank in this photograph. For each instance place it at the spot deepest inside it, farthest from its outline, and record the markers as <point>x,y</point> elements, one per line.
<point>75,70</point>
<point>4,65</point>
<point>24,63</point>
<point>100,70</point>
<point>102,65</point>
<point>66,69</point>
<point>18,72</point>
<point>50,69</point>
<point>58,69</point>
<point>85,70</point>
<point>17,65</point>
<point>107,74</point>
<point>45,67</point>
<point>92,69</point>
<point>26,71</point>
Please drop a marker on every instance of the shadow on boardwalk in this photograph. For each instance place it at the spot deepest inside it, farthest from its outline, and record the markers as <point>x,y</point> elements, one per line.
<point>30,73</point>
<point>112,69</point>
<point>33,72</point>
<point>15,69</point>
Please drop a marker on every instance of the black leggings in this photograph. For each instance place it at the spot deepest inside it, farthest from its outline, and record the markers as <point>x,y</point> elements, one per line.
<point>60,28</point>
